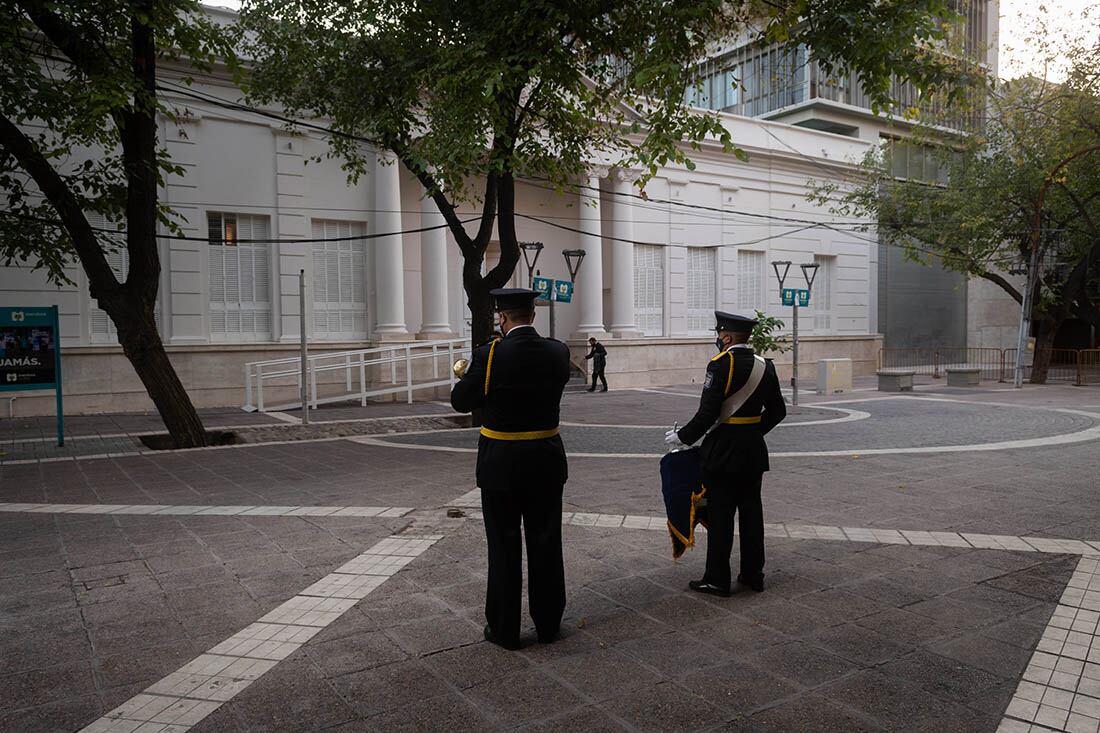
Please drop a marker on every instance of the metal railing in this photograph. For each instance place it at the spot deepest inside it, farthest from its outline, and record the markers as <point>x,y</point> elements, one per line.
<point>936,361</point>
<point>1074,366</point>
<point>361,374</point>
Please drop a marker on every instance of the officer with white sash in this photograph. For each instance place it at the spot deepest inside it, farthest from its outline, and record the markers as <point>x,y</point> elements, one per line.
<point>740,403</point>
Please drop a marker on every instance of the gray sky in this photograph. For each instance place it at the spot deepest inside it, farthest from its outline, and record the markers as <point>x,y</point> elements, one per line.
<point>1018,17</point>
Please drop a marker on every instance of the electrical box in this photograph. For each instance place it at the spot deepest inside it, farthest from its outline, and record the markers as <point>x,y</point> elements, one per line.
<point>834,375</point>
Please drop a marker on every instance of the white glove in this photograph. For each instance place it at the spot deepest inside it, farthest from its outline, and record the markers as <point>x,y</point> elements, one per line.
<point>672,439</point>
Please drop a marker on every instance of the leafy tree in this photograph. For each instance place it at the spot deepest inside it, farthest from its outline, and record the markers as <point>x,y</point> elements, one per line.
<point>81,76</point>
<point>1030,181</point>
<point>471,95</point>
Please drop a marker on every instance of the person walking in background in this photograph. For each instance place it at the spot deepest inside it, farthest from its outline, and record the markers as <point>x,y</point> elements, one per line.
<point>517,383</point>
<point>598,354</point>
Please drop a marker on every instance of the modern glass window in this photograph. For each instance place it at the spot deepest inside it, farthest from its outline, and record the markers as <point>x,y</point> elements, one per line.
<point>649,289</point>
<point>240,277</point>
<point>701,278</point>
<point>339,280</point>
<point>750,281</point>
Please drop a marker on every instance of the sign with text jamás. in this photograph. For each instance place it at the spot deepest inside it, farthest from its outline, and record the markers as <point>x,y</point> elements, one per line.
<point>30,353</point>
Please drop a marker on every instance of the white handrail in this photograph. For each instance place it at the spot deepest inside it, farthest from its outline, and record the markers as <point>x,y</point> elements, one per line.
<point>352,384</point>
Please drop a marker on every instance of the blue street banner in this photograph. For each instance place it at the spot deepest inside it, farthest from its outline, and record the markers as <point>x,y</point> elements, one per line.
<point>563,291</point>
<point>788,296</point>
<point>803,297</point>
<point>30,353</point>
<point>543,286</point>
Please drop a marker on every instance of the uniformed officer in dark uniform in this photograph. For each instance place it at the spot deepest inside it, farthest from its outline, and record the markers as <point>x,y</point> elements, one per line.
<point>517,383</point>
<point>734,416</point>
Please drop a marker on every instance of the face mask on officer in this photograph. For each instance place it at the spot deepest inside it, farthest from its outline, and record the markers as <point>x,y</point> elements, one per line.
<point>718,342</point>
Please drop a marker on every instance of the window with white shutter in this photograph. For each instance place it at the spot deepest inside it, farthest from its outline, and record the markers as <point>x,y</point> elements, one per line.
<point>821,297</point>
<point>701,298</point>
<point>649,289</point>
<point>339,280</point>
<point>240,277</point>
<point>750,281</point>
<point>100,326</point>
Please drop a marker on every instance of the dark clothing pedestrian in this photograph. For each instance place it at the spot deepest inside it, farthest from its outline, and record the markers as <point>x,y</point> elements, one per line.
<point>598,354</point>
<point>734,459</point>
<point>517,383</point>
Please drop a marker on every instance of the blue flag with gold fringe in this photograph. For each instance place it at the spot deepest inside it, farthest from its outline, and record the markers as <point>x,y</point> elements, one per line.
<point>683,492</point>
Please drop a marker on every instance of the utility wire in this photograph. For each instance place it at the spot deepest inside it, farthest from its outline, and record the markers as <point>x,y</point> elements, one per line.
<point>122,232</point>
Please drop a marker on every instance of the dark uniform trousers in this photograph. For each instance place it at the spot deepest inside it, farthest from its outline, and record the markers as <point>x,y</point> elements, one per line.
<point>538,507</point>
<point>521,471</point>
<point>727,497</point>
<point>734,460</point>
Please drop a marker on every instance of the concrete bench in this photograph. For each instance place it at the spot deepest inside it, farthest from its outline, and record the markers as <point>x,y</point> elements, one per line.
<point>963,376</point>
<point>895,381</point>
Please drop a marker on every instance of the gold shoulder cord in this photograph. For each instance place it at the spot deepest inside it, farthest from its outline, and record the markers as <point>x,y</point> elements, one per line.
<point>489,366</point>
<point>729,381</point>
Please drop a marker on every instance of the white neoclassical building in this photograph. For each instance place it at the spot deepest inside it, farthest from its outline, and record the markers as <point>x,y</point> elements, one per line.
<point>655,267</point>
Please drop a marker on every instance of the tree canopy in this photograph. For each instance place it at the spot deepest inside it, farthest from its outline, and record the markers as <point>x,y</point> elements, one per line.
<point>78,136</point>
<point>470,95</point>
<point>983,201</point>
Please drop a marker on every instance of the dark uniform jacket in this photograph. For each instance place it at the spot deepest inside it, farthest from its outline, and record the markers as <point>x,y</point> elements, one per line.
<point>735,449</point>
<point>599,356</point>
<point>522,394</point>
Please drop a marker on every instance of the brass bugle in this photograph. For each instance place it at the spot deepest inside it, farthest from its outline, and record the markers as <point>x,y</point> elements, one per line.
<point>460,367</point>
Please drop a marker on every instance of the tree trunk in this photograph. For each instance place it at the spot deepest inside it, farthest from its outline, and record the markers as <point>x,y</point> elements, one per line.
<point>137,332</point>
<point>1044,348</point>
<point>481,312</point>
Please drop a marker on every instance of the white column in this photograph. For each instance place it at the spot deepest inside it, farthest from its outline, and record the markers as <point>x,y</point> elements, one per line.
<point>589,286</point>
<point>389,260</point>
<point>622,255</point>
<point>433,274</point>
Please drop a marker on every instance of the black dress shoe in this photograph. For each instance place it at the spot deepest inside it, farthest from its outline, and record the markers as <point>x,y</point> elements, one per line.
<point>604,389</point>
<point>492,639</point>
<point>701,586</point>
<point>757,583</point>
<point>549,637</point>
<point>591,390</point>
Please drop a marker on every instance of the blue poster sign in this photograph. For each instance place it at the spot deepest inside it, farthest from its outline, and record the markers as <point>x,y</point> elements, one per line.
<point>30,353</point>
<point>803,297</point>
<point>788,296</point>
<point>563,291</point>
<point>543,286</point>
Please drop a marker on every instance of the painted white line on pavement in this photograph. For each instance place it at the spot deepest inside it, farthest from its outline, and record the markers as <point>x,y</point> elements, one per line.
<point>1081,436</point>
<point>285,417</point>
<point>216,510</point>
<point>185,697</point>
<point>1060,689</point>
<point>849,416</point>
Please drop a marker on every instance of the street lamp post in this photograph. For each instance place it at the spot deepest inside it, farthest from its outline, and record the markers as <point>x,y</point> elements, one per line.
<point>809,272</point>
<point>531,252</point>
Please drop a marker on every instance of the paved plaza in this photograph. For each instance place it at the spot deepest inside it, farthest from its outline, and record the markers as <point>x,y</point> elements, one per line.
<point>933,565</point>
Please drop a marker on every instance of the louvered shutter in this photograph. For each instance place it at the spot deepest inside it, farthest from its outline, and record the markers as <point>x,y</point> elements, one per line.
<point>750,281</point>
<point>701,289</point>
<point>240,279</point>
<point>649,288</point>
<point>339,274</point>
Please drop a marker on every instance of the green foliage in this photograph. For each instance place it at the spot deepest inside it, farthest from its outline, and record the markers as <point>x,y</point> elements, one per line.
<point>763,338</point>
<point>1031,177</point>
<point>542,88</point>
<point>74,99</point>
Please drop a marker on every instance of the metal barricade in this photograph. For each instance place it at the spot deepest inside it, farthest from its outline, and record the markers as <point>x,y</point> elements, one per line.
<point>936,361</point>
<point>346,375</point>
